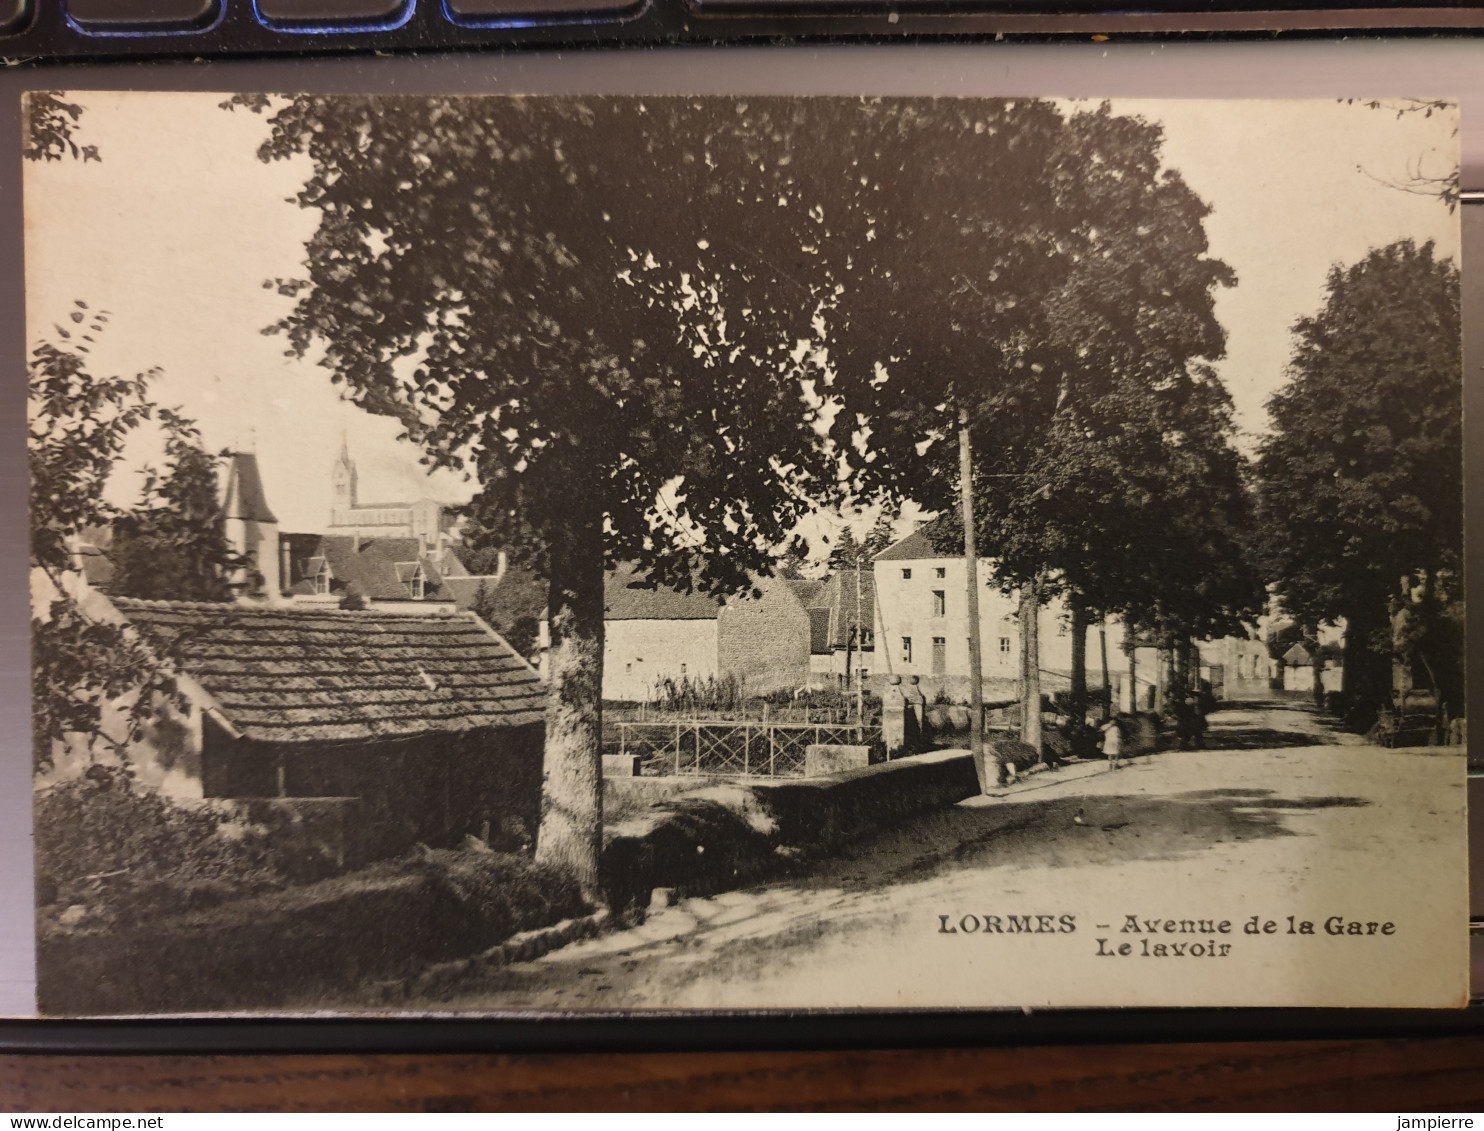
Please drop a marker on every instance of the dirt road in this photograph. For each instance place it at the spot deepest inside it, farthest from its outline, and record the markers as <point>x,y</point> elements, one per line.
<point>1278,817</point>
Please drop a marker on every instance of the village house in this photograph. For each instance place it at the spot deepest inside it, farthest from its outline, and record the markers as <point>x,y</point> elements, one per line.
<point>390,574</point>
<point>842,626</point>
<point>652,634</point>
<point>431,722</point>
<point>923,629</point>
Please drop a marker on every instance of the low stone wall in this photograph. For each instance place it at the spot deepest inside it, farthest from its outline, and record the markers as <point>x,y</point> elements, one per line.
<point>723,837</point>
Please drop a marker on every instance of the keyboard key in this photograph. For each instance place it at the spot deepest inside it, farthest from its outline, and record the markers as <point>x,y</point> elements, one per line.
<point>143,15</point>
<point>331,11</point>
<point>14,15</point>
<point>479,10</point>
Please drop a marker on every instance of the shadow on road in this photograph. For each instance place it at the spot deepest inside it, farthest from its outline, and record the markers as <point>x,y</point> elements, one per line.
<point>1266,725</point>
<point>1070,832</point>
<point>1219,737</point>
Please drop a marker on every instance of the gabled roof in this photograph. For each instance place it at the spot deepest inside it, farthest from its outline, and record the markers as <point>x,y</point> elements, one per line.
<point>841,598</point>
<point>379,569</point>
<point>627,595</point>
<point>819,631</point>
<point>917,546</point>
<point>514,594</point>
<point>809,591</point>
<point>303,674</point>
<point>244,496</point>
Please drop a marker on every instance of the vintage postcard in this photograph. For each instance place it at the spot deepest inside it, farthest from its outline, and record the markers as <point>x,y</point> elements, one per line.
<point>617,553</point>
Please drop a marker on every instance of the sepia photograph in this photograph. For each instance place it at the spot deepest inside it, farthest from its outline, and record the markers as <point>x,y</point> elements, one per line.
<point>535,554</point>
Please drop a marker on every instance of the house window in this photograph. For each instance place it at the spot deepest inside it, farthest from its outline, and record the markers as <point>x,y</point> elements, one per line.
<point>682,671</point>
<point>906,649</point>
<point>940,603</point>
<point>906,575</point>
<point>941,571</point>
<point>940,655</point>
<point>419,587</point>
<point>322,580</point>
<point>1004,645</point>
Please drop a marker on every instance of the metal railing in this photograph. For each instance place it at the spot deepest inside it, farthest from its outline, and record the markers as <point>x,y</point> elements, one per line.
<point>744,749</point>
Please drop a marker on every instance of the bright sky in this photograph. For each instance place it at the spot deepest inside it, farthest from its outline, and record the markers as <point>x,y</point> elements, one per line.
<point>178,226</point>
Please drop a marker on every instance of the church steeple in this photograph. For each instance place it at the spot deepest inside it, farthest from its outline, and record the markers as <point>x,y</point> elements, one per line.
<point>343,478</point>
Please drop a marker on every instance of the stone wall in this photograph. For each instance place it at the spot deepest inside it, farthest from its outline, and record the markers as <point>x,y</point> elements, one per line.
<point>765,641</point>
<point>720,838</point>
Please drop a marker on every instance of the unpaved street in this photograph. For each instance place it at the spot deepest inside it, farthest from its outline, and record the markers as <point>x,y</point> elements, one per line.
<point>1277,818</point>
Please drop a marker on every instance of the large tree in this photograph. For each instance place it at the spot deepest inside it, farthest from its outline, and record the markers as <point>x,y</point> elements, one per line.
<point>597,306</point>
<point>1361,479</point>
<point>1108,474</point>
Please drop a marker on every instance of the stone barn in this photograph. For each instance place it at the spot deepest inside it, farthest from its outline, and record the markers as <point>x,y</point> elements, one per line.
<point>431,721</point>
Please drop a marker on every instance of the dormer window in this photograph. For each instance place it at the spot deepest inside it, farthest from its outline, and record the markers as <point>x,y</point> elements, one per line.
<point>419,584</point>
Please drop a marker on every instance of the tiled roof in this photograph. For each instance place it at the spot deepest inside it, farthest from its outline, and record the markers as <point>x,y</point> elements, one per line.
<point>819,631</point>
<point>841,598</point>
<point>627,595</point>
<point>809,591</point>
<point>915,547</point>
<point>305,674</point>
<point>379,569</point>
<point>514,594</point>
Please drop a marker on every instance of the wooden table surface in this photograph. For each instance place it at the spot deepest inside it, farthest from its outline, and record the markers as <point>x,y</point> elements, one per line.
<point>1414,1074</point>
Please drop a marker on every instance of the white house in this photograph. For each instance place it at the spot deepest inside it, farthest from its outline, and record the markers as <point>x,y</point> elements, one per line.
<point>922,629</point>
<point>651,634</point>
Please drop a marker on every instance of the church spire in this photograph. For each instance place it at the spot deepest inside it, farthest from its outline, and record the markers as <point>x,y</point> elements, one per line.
<point>343,478</point>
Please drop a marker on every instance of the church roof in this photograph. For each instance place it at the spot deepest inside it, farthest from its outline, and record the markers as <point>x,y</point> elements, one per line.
<point>306,674</point>
<point>244,497</point>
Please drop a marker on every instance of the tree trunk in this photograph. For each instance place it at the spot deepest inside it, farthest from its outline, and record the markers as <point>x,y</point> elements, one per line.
<point>571,835</point>
<point>1030,667</point>
<point>1078,696</point>
<point>1316,665</point>
<point>1107,711</point>
<point>1367,676</point>
<point>1130,649</point>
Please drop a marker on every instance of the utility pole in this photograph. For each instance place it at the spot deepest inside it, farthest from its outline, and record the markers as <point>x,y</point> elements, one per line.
<point>1107,711</point>
<point>860,637</point>
<point>971,565</point>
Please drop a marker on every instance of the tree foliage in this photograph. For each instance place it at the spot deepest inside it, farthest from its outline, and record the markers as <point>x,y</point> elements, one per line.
<point>173,545</point>
<point>1361,478</point>
<point>1108,470</point>
<point>88,671</point>
<point>81,666</point>
<point>48,127</point>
